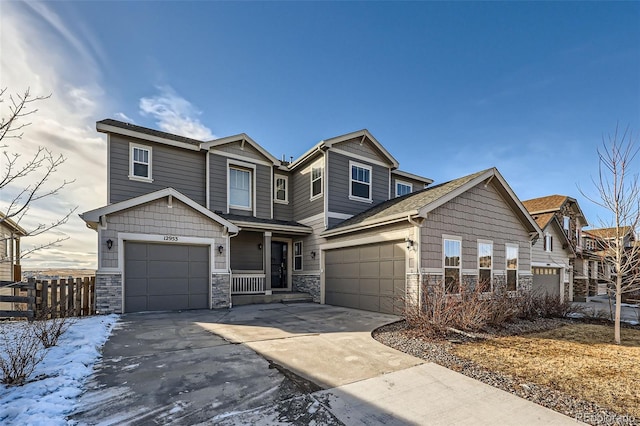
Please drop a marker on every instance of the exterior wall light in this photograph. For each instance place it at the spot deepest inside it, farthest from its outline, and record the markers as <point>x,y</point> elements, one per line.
<point>313,254</point>
<point>220,248</point>
<point>109,244</point>
<point>409,242</point>
<point>259,246</point>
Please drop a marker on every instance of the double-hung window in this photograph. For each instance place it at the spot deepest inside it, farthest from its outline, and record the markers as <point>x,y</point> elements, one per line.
<point>297,256</point>
<point>317,170</point>
<point>360,182</point>
<point>280,190</point>
<point>240,188</point>
<point>485,263</point>
<point>403,188</point>
<point>452,251</point>
<point>140,168</point>
<point>512,266</point>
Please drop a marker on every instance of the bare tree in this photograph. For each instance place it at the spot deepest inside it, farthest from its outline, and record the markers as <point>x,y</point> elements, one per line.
<point>28,179</point>
<point>619,193</point>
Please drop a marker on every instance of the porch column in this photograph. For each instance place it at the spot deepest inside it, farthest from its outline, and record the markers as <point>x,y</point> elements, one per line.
<point>266,262</point>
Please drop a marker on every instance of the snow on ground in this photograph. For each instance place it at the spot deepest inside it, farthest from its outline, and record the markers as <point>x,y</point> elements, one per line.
<point>61,376</point>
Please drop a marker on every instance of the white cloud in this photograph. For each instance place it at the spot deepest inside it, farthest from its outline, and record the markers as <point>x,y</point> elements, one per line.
<point>41,52</point>
<point>124,117</point>
<point>174,114</point>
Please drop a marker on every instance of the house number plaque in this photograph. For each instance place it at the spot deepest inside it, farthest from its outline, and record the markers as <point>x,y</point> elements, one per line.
<point>170,238</point>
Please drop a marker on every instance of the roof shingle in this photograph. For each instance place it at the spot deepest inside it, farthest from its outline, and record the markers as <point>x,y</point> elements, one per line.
<point>549,203</point>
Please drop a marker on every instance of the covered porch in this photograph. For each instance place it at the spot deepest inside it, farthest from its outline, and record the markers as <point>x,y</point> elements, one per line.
<point>262,257</point>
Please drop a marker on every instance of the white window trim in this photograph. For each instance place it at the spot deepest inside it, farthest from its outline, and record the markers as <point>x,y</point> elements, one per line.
<point>490,268</point>
<point>353,164</point>
<point>140,178</point>
<point>301,256</point>
<point>446,238</point>
<point>548,242</point>
<point>402,182</point>
<point>316,165</point>
<point>7,241</point>
<point>506,264</point>
<point>252,196</point>
<point>286,189</point>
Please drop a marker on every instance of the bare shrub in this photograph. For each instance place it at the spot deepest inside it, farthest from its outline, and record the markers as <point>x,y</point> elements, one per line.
<point>20,352</point>
<point>50,330</point>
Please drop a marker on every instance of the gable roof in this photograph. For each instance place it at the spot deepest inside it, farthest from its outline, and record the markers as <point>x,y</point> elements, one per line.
<point>328,143</point>
<point>606,233</point>
<point>420,203</point>
<point>408,175</point>
<point>11,225</point>
<point>127,129</point>
<point>242,137</point>
<point>552,203</point>
<point>543,219</point>
<point>250,222</point>
<point>92,217</point>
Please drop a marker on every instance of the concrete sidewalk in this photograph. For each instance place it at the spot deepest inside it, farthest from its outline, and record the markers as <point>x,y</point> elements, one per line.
<point>628,313</point>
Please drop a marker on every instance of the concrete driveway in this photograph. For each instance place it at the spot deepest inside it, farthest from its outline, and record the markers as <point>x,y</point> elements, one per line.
<point>282,364</point>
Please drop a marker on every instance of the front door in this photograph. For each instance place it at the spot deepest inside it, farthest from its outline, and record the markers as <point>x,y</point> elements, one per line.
<point>279,265</point>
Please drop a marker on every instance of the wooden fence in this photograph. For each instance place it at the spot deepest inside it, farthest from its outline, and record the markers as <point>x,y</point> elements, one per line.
<point>50,298</point>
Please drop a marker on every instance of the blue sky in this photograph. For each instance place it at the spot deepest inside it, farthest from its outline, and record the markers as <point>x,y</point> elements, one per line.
<point>448,87</point>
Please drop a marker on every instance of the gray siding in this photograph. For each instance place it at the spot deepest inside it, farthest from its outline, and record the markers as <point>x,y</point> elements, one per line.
<point>248,152</point>
<point>367,149</point>
<point>479,213</point>
<point>311,243</point>
<point>300,181</point>
<point>557,256</point>
<point>218,187</point>
<point>245,254</point>
<point>417,185</point>
<point>339,181</point>
<point>172,167</point>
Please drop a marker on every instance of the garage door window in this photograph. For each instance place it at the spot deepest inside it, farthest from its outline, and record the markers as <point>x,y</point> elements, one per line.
<point>452,262</point>
<point>485,258</point>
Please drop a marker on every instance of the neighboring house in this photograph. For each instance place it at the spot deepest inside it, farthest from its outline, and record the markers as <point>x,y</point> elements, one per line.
<point>190,223</point>
<point>551,258</point>
<point>560,256</point>
<point>10,234</point>
<point>597,244</point>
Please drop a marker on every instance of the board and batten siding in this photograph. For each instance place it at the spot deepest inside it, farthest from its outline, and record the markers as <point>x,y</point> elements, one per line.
<point>339,183</point>
<point>248,151</point>
<point>300,182</point>
<point>171,167</point>
<point>479,213</point>
<point>311,243</point>
<point>283,211</point>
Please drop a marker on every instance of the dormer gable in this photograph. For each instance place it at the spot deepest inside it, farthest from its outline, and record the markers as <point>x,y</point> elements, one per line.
<point>242,146</point>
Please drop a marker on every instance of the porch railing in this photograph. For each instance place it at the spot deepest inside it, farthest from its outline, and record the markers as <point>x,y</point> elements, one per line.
<point>247,283</point>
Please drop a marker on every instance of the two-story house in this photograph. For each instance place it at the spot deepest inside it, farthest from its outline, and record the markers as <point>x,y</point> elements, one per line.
<point>557,257</point>
<point>188,224</point>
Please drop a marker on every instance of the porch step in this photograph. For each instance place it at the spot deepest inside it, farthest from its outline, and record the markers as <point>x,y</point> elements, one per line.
<point>252,299</point>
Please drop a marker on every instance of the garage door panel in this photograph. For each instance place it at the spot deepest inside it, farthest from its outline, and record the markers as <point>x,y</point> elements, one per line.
<point>199,269</point>
<point>163,269</point>
<point>168,303</point>
<point>136,286</point>
<point>136,251</point>
<point>373,280</point>
<point>369,253</point>
<point>549,284</point>
<point>369,269</point>
<point>166,277</point>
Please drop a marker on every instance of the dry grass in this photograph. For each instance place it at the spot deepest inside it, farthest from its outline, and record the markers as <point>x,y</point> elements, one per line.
<point>578,359</point>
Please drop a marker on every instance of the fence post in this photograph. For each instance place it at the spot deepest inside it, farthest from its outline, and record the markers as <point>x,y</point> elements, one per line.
<point>31,292</point>
<point>71,287</point>
<point>92,298</point>
<point>85,297</point>
<point>63,297</point>
<point>77,306</point>
<point>43,311</point>
<point>54,298</point>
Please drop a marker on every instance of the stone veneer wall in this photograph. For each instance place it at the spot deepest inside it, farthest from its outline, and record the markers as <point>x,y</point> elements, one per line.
<point>307,284</point>
<point>220,291</point>
<point>108,293</point>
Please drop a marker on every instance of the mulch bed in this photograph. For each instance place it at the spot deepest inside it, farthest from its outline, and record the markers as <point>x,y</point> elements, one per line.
<point>402,338</point>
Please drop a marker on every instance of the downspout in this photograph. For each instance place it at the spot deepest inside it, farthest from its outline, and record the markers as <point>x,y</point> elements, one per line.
<point>207,181</point>
<point>418,241</point>
<point>228,261</point>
